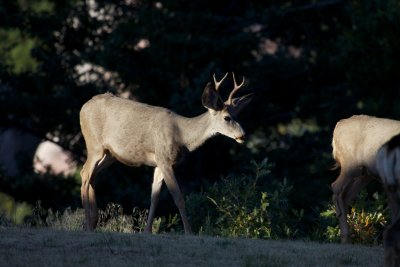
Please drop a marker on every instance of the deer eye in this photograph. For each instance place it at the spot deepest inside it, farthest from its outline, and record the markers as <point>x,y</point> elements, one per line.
<point>227,118</point>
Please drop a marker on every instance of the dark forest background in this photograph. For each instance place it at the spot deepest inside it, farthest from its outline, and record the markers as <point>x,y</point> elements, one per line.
<point>309,63</point>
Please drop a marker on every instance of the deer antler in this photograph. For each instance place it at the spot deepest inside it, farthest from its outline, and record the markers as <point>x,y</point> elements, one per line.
<point>217,84</point>
<point>235,89</point>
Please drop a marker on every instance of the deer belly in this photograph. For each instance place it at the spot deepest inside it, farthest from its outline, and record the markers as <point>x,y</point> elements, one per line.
<point>131,157</point>
<point>146,159</point>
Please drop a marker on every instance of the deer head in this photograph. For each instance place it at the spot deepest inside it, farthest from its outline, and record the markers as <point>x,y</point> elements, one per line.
<point>223,114</point>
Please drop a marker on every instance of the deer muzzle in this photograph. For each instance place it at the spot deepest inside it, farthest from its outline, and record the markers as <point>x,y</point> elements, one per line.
<point>240,139</point>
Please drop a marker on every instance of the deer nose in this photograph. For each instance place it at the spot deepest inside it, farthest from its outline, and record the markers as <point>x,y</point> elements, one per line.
<point>240,139</point>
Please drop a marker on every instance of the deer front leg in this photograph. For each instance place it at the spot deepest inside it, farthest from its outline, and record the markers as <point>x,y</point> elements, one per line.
<point>155,195</point>
<point>173,188</point>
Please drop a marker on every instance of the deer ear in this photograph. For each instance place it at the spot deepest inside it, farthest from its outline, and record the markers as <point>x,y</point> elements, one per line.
<point>210,98</point>
<point>238,103</point>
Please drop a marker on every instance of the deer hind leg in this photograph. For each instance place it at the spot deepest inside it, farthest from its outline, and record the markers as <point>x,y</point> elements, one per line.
<point>155,195</point>
<point>354,189</point>
<point>173,188</point>
<point>339,188</point>
<point>94,163</point>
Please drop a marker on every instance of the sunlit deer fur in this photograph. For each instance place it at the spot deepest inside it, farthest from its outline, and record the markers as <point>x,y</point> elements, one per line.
<point>355,143</point>
<point>388,166</point>
<point>139,134</point>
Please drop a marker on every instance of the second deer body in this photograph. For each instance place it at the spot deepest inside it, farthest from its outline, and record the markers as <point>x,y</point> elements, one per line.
<point>139,134</point>
<point>355,143</point>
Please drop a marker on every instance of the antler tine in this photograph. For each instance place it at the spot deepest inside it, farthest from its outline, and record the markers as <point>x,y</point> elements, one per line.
<point>217,84</point>
<point>235,89</point>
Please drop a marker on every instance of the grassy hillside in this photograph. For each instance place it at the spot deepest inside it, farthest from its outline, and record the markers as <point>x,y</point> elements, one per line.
<point>45,247</point>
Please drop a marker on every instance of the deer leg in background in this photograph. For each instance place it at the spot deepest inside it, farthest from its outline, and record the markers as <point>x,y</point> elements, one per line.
<point>350,195</point>
<point>87,190</point>
<point>355,187</point>
<point>173,187</point>
<point>339,188</point>
<point>106,161</point>
<point>155,195</point>
<point>94,213</point>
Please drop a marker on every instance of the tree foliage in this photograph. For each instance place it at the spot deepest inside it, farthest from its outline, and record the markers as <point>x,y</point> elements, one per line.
<point>310,63</point>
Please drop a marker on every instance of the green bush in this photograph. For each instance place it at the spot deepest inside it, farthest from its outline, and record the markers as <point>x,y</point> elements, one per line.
<point>367,220</point>
<point>239,205</point>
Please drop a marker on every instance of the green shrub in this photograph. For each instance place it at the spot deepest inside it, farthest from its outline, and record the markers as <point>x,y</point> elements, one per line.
<point>241,220</point>
<point>238,205</point>
<point>367,220</point>
<point>286,220</point>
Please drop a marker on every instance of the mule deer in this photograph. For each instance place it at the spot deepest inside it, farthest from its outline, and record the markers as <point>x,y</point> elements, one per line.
<point>355,143</point>
<point>388,166</point>
<point>139,134</point>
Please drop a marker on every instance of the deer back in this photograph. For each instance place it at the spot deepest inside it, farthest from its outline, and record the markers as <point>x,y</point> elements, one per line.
<point>357,139</point>
<point>128,129</point>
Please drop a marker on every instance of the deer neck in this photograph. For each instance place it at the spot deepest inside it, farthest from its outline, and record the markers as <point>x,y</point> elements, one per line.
<point>195,131</point>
